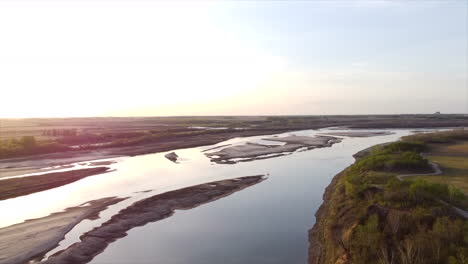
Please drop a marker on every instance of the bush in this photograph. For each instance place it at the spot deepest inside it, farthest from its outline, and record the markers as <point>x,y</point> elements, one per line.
<point>366,241</point>
<point>398,156</point>
<point>354,183</point>
<point>402,146</point>
<point>406,161</point>
<point>28,142</point>
<point>392,157</point>
<point>421,190</point>
<point>455,195</point>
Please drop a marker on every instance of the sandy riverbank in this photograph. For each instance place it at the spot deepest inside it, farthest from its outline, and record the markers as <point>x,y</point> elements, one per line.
<point>22,242</point>
<point>14,187</point>
<point>359,133</point>
<point>145,211</point>
<point>32,164</point>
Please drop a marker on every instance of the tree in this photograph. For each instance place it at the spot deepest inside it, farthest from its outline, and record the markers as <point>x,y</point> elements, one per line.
<point>28,142</point>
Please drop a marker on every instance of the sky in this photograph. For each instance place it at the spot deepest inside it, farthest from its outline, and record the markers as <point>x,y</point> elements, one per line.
<point>156,58</point>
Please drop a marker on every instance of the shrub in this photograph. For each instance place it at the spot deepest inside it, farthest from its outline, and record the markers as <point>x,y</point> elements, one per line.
<point>366,241</point>
<point>354,183</point>
<point>406,161</point>
<point>28,142</point>
<point>402,146</point>
<point>421,190</point>
<point>395,156</point>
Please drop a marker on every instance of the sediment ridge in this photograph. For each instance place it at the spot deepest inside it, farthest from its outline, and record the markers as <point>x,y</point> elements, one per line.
<point>145,211</point>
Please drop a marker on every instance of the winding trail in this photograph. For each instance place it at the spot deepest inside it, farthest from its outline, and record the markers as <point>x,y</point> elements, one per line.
<point>434,166</point>
<point>437,171</point>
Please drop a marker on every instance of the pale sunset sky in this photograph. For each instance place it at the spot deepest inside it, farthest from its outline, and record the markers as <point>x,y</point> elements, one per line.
<point>150,58</point>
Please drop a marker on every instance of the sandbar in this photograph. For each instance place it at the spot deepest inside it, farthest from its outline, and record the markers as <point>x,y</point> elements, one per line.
<point>145,211</point>
<point>360,133</point>
<point>253,151</point>
<point>33,238</point>
<point>14,187</point>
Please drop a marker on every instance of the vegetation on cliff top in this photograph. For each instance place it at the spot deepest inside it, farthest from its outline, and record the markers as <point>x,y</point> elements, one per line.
<point>376,218</point>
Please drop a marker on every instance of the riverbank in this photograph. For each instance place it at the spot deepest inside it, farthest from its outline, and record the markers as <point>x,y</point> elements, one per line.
<point>368,214</point>
<point>58,141</point>
<point>25,241</point>
<point>33,238</point>
<point>324,246</point>
<point>31,164</point>
<point>14,187</point>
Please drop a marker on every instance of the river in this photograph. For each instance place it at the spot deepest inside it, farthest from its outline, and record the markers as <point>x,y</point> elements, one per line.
<point>265,223</point>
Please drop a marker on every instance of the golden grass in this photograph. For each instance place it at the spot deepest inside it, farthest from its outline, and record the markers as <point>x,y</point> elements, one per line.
<point>453,161</point>
<point>461,182</point>
<point>454,164</point>
<point>459,148</point>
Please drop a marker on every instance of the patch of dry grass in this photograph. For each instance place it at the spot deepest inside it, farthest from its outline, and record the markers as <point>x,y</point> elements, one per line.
<point>459,148</point>
<point>453,164</point>
<point>461,182</point>
<point>453,161</point>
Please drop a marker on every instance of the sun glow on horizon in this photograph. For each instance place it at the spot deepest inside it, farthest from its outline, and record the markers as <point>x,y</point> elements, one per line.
<point>156,58</point>
<point>145,57</point>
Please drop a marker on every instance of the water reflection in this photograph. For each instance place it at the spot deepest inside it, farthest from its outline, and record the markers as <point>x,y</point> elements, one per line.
<point>266,223</point>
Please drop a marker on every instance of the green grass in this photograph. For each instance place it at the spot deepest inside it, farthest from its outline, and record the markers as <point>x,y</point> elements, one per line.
<point>400,222</point>
<point>382,164</point>
<point>461,182</point>
<point>454,171</point>
<point>413,204</point>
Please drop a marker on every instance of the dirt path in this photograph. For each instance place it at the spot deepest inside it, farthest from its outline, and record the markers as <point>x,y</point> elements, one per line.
<point>434,166</point>
<point>437,171</point>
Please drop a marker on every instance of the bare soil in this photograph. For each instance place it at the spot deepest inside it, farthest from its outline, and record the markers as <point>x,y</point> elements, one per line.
<point>14,187</point>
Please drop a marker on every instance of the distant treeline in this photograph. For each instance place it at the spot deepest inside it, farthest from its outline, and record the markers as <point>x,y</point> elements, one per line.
<point>70,139</point>
<point>60,132</point>
<point>28,145</point>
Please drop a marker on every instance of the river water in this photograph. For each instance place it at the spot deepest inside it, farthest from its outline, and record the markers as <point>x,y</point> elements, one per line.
<point>265,223</point>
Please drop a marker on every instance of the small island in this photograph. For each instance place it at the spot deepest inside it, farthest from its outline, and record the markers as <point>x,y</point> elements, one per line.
<point>253,151</point>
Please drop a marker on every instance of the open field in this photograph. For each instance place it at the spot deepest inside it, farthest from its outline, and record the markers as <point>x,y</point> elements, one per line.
<point>453,160</point>
<point>26,137</point>
<point>16,128</point>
